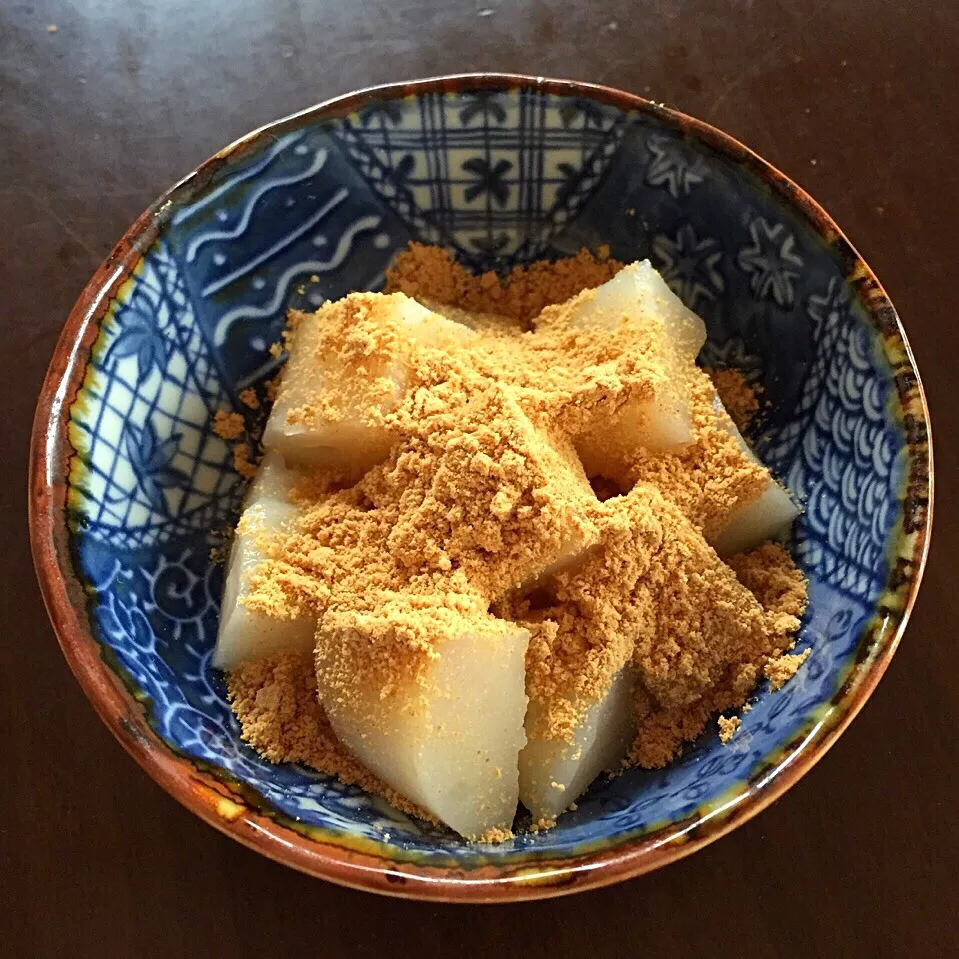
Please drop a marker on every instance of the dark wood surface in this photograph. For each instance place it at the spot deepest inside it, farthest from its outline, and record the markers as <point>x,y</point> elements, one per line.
<point>856,99</point>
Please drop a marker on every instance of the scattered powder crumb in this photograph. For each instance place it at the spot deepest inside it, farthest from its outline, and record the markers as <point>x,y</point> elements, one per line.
<point>221,553</point>
<point>243,461</point>
<point>249,398</point>
<point>228,426</point>
<point>727,727</point>
<point>739,398</point>
<point>52,28</point>
<point>542,825</point>
<point>496,835</point>
<point>572,807</point>
<point>781,669</point>
<point>314,278</point>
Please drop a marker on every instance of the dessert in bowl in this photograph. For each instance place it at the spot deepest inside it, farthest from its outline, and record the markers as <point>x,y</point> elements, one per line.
<point>132,486</point>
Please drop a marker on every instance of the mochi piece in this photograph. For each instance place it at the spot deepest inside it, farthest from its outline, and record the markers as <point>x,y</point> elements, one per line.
<point>769,516</point>
<point>332,399</point>
<point>765,518</point>
<point>447,740</point>
<point>479,321</point>
<point>638,294</point>
<point>245,635</point>
<point>554,773</point>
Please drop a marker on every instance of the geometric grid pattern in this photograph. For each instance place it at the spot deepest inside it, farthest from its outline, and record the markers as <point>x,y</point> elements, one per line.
<point>494,176</point>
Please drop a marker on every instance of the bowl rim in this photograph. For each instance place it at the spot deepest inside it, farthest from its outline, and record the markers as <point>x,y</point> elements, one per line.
<point>359,867</point>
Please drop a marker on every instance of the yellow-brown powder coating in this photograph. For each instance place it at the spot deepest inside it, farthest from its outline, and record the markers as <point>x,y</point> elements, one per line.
<point>661,732</point>
<point>352,344</point>
<point>781,669</point>
<point>709,479</point>
<point>464,509</point>
<point>739,398</point>
<point>430,273</point>
<point>249,398</point>
<point>727,727</point>
<point>482,496</point>
<point>275,701</point>
<point>781,591</point>
<point>228,426</point>
<point>656,597</point>
<point>384,643</point>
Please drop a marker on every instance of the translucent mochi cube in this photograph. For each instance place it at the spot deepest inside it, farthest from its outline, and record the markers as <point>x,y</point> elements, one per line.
<point>638,294</point>
<point>348,367</point>
<point>769,516</point>
<point>480,322</point>
<point>245,635</point>
<point>765,518</point>
<point>448,741</point>
<point>554,773</point>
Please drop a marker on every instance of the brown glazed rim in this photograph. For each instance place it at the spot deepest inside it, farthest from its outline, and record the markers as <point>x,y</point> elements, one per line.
<point>360,865</point>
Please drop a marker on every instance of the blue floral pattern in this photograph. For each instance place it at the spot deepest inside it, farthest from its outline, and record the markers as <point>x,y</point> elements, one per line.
<point>673,166</point>
<point>498,178</point>
<point>771,261</point>
<point>690,265</point>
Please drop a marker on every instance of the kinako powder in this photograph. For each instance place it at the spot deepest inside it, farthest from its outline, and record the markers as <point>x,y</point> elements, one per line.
<point>483,495</point>
<point>738,396</point>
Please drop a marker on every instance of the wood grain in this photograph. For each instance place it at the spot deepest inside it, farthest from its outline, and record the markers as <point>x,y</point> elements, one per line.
<point>856,99</point>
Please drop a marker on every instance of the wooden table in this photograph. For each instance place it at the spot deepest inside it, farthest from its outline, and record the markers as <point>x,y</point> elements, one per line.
<point>857,99</point>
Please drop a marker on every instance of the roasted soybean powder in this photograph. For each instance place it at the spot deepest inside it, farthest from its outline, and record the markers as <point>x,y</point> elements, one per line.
<point>482,516</point>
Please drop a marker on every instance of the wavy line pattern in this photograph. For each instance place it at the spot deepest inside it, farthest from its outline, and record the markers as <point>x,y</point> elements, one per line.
<point>230,182</point>
<point>280,244</point>
<point>340,253</point>
<point>319,160</point>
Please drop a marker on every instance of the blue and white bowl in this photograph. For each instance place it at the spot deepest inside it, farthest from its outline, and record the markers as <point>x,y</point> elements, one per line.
<point>131,489</point>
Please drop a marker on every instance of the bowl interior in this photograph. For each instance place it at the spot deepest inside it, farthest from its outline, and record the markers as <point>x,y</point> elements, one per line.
<point>318,207</point>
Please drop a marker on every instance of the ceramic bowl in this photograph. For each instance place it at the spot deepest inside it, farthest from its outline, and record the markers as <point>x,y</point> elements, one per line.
<point>130,487</point>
